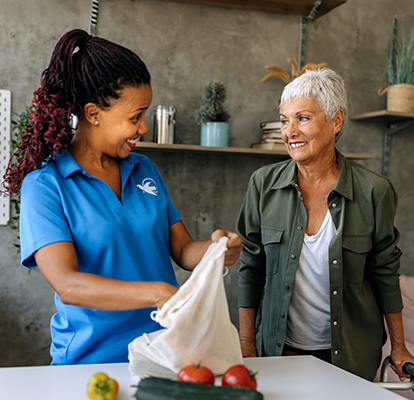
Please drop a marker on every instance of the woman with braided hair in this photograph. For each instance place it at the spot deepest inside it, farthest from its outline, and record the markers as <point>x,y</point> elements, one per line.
<point>95,218</point>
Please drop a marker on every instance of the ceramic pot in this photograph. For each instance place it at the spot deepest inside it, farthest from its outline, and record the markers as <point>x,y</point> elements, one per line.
<point>215,134</point>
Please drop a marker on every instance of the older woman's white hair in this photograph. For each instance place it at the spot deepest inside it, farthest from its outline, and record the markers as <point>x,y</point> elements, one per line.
<point>323,85</point>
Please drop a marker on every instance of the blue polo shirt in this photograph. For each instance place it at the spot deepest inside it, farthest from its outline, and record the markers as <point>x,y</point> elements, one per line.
<point>126,240</point>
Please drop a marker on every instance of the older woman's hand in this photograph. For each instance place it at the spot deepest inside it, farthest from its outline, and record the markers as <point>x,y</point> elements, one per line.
<point>234,245</point>
<point>248,348</point>
<point>399,356</point>
<point>399,353</point>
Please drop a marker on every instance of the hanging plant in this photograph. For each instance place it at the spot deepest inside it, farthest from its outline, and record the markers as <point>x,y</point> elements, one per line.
<point>284,75</point>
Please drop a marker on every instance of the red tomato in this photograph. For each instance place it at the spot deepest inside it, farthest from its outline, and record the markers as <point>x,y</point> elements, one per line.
<point>239,375</point>
<point>196,374</point>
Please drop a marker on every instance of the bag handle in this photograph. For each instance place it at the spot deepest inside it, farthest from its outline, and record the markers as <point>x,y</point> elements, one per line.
<point>154,316</point>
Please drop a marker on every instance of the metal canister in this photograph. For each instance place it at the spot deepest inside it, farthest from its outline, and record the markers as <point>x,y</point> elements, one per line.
<point>164,124</point>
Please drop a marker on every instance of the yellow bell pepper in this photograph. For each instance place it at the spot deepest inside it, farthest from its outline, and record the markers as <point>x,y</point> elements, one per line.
<point>101,387</point>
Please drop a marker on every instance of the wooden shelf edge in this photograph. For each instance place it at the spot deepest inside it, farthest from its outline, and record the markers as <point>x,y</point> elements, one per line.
<point>359,156</point>
<point>382,116</point>
<point>192,148</point>
<point>293,7</point>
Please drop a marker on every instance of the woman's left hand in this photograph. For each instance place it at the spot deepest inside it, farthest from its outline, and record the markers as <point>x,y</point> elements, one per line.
<point>187,252</point>
<point>399,356</point>
<point>234,245</point>
<point>399,353</point>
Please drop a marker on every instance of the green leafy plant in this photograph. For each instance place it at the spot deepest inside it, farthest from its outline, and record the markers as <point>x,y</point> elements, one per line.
<point>400,67</point>
<point>18,127</point>
<point>214,94</point>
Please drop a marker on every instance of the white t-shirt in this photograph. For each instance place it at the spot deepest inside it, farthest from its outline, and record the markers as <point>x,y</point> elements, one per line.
<point>309,322</point>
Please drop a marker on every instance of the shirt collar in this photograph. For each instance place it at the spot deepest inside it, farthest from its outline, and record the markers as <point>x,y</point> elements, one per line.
<point>343,185</point>
<point>287,177</point>
<point>66,164</point>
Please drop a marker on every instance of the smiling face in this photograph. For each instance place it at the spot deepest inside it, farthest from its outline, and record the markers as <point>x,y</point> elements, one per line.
<point>121,125</point>
<point>309,137</point>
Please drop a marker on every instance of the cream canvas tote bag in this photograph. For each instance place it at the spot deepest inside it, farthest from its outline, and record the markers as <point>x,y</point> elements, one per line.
<point>197,326</point>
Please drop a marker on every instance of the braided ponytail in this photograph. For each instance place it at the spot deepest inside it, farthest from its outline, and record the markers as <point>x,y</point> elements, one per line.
<point>82,69</point>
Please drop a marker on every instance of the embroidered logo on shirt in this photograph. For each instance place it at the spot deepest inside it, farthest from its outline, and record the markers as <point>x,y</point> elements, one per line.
<point>148,186</point>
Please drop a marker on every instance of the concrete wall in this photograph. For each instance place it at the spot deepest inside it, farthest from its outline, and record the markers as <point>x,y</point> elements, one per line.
<point>184,46</point>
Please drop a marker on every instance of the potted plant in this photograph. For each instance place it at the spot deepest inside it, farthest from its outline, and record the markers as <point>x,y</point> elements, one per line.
<point>400,68</point>
<point>213,117</point>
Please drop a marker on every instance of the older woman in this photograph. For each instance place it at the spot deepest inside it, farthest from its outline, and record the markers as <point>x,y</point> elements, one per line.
<point>319,266</point>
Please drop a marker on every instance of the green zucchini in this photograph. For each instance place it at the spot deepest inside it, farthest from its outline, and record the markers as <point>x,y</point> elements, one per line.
<point>160,389</point>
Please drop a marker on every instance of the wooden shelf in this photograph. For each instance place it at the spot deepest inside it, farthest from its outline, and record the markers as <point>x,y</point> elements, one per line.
<point>298,7</point>
<point>383,116</point>
<point>192,148</point>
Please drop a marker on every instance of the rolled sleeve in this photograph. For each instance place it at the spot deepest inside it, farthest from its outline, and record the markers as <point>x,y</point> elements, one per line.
<point>384,258</point>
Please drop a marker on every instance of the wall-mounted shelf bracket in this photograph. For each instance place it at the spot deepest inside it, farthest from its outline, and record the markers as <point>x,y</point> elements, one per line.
<point>94,17</point>
<point>391,129</point>
<point>302,32</point>
<point>393,122</point>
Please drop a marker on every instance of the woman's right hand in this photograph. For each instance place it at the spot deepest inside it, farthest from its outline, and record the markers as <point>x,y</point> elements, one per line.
<point>163,293</point>
<point>248,348</point>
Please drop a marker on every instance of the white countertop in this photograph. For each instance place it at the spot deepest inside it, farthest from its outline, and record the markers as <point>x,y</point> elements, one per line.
<point>279,378</point>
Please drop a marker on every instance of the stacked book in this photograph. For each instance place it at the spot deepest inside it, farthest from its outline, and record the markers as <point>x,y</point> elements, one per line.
<point>271,137</point>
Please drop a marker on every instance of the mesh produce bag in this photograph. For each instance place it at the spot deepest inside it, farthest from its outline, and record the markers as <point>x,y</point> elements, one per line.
<point>197,326</point>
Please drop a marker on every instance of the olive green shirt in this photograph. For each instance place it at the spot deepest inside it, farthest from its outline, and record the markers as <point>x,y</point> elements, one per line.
<point>363,259</point>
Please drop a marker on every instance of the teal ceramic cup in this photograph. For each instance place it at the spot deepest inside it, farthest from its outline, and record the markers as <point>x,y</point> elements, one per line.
<point>215,134</point>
